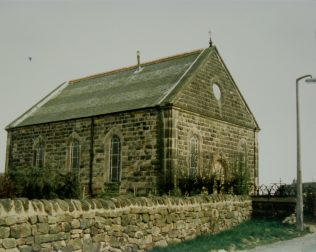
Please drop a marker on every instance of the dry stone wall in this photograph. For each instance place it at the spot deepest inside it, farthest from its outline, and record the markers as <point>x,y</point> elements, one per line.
<point>117,224</point>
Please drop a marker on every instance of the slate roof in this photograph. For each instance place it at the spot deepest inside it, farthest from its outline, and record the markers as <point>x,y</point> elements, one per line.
<point>120,90</point>
<point>115,91</point>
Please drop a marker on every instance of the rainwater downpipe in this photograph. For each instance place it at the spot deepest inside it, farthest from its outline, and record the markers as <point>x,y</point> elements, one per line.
<point>255,173</point>
<point>162,149</point>
<point>171,142</point>
<point>8,152</point>
<point>91,156</point>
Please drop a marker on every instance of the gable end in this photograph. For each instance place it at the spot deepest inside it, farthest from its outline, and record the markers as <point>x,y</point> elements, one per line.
<point>196,92</point>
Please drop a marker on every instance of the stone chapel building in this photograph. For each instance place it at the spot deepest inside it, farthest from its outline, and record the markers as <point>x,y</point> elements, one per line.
<point>133,127</point>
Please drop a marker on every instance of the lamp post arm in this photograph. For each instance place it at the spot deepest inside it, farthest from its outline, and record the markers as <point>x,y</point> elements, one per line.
<point>303,77</point>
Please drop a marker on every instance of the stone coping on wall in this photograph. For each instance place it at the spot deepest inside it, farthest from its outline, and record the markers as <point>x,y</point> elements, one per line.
<point>22,207</point>
<point>274,199</point>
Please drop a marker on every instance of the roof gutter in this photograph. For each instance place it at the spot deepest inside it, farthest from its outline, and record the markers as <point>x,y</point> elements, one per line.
<point>39,104</point>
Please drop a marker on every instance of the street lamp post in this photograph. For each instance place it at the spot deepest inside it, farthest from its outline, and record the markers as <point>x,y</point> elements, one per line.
<point>299,194</point>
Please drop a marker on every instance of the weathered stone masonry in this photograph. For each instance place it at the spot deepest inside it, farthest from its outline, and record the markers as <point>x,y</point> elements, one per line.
<point>139,148</point>
<point>221,125</point>
<point>121,224</point>
<point>219,143</point>
<point>55,136</point>
<point>140,164</point>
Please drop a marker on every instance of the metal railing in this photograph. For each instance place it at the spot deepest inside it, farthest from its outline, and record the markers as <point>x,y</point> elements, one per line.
<point>276,190</point>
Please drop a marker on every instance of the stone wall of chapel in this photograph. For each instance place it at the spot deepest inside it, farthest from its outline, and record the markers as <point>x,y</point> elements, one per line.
<point>140,165</point>
<point>218,141</point>
<point>138,130</point>
<point>198,95</point>
<point>55,137</point>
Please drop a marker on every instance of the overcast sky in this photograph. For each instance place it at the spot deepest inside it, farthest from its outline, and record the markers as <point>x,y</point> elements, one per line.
<point>265,44</point>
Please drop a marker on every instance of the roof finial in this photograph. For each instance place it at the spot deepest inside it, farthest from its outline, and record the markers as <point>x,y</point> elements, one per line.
<point>210,35</point>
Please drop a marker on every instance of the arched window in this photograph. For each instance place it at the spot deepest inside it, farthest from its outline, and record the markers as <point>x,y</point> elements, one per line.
<point>193,157</point>
<point>242,155</point>
<point>38,155</point>
<point>75,154</point>
<point>115,159</point>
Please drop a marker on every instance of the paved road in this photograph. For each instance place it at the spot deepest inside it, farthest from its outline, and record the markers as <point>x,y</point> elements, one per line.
<point>306,243</point>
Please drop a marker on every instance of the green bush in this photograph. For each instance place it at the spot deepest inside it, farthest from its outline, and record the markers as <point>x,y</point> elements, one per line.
<point>239,185</point>
<point>7,187</point>
<point>33,183</point>
<point>188,186</point>
<point>240,181</point>
<point>196,185</point>
<point>112,190</point>
<point>309,195</point>
<point>43,183</point>
<point>69,187</point>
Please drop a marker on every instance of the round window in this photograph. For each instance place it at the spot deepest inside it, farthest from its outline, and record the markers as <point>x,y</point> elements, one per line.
<point>217,92</point>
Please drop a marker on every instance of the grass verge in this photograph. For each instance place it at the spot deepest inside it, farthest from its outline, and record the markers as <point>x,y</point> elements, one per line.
<point>245,236</point>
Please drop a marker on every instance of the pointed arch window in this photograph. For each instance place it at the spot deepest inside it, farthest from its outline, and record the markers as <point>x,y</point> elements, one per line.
<point>75,154</point>
<point>115,159</point>
<point>38,155</point>
<point>242,155</point>
<point>193,157</point>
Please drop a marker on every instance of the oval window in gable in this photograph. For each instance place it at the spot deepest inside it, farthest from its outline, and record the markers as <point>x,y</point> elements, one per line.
<point>217,91</point>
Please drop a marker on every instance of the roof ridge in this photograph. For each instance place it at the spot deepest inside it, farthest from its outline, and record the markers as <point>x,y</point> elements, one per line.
<point>119,70</point>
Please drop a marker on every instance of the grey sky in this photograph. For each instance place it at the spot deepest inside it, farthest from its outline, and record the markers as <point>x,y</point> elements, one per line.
<point>265,44</point>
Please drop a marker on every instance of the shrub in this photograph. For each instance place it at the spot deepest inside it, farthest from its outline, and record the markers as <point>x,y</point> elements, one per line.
<point>68,186</point>
<point>7,188</point>
<point>34,183</point>
<point>240,186</point>
<point>188,185</point>
<point>240,182</point>
<point>196,185</point>
<point>309,195</point>
<point>43,183</point>
<point>112,190</point>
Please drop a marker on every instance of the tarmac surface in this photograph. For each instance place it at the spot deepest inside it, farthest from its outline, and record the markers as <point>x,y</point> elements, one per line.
<point>305,243</point>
